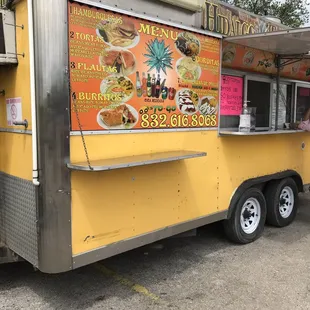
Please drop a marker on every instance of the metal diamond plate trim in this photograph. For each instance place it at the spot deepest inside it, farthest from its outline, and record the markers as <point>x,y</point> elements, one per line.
<point>18,217</point>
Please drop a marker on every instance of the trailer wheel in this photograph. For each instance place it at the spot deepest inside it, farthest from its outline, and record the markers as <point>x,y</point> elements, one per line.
<point>247,221</point>
<point>281,197</point>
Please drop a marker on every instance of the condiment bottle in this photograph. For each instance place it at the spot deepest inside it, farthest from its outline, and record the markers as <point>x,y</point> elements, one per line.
<point>245,119</point>
<point>149,86</point>
<point>153,86</point>
<point>157,88</point>
<point>164,93</point>
<point>138,85</point>
<point>144,84</point>
<point>171,93</point>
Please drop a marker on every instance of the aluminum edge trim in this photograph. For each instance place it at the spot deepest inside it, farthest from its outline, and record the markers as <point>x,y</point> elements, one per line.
<point>220,89</point>
<point>12,130</point>
<point>149,18</point>
<point>52,100</point>
<point>139,131</point>
<point>142,163</point>
<point>267,34</point>
<point>260,133</point>
<point>93,256</point>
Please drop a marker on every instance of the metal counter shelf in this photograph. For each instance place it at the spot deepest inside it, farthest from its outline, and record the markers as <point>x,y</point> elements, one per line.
<point>134,161</point>
<point>258,133</point>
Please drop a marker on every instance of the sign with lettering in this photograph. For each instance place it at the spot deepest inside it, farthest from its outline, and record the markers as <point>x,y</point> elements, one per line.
<point>128,73</point>
<point>231,21</point>
<point>14,110</point>
<point>304,92</point>
<point>231,95</point>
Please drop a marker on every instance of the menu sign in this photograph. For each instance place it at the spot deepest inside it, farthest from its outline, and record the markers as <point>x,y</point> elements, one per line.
<point>231,95</point>
<point>231,21</point>
<point>129,73</point>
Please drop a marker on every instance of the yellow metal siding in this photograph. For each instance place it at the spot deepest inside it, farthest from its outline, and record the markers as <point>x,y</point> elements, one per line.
<point>111,206</point>
<point>114,205</point>
<point>243,158</point>
<point>16,155</point>
<point>15,80</point>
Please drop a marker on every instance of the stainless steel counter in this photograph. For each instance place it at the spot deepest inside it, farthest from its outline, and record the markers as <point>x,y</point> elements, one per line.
<point>258,133</point>
<point>133,161</point>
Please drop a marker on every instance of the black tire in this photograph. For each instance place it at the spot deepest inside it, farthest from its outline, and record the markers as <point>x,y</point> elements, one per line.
<point>233,227</point>
<point>275,202</point>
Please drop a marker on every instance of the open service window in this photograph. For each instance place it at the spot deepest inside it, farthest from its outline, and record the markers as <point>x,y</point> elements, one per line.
<point>276,103</point>
<point>259,95</point>
<point>302,98</point>
<point>286,104</point>
<point>238,88</point>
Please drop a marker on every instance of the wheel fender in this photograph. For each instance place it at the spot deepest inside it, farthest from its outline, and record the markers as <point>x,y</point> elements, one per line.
<point>260,181</point>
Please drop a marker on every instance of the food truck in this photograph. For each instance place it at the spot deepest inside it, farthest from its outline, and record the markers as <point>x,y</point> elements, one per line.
<point>121,125</point>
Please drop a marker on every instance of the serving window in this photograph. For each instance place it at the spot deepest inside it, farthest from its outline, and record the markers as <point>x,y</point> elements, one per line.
<point>238,88</point>
<point>259,95</point>
<point>260,92</point>
<point>302,101</point>
<point>286,104</point>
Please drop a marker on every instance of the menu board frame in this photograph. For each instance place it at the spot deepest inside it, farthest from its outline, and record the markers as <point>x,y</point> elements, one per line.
<point>75,131</point>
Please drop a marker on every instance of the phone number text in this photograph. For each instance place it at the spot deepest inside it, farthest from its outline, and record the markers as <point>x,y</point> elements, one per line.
<point>177,120</point>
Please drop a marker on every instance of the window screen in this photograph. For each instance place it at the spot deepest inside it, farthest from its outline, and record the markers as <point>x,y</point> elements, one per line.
<point>258,93</point>
<point>303,102</point>
<point>285,105</point>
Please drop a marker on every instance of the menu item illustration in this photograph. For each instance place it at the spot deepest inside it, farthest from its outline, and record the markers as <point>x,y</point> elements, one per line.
<point>208,105</point>
<point>229,54</point>
<point>171,93</point>
<point>188,44</point>
<point>248,58</point>
<point>122,34</point>
<point>187,101</point>
<point>120,117</point>
<point>159,56</point>
<point>265,64</point>
<point>295,68</point>
<point>118,87</point>
<point>122,60</point>
<point>188,69</point>
<point>139,90</point>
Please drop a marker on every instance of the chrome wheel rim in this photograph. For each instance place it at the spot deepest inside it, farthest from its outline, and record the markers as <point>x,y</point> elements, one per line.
<point>250,215</point>
<point>286,202</point>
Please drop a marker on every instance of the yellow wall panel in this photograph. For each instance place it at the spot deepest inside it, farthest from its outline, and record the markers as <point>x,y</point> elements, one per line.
<point>15,80</point>
<point>16,155</point>
<point>15,158</point>
<point>114,205</point>
<point>243,158</point>
<point>111,206</point>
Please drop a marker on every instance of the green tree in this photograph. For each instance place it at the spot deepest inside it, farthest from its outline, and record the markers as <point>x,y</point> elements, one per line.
<point>293,13</point>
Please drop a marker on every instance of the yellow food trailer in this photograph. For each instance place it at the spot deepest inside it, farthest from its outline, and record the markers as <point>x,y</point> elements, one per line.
<point>120,125</point>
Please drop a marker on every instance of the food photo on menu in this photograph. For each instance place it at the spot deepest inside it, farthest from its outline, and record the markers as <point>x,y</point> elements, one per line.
<point>122,60</point>
<point>122,34</point>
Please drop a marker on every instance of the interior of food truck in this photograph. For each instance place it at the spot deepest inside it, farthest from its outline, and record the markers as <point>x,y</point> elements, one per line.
<point>276,103</point>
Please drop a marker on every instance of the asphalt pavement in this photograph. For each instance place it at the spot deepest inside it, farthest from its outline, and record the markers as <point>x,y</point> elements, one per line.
<point>203,272</point>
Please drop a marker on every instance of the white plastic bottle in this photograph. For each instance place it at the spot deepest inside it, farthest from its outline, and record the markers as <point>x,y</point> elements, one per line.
<point>245,119</point>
